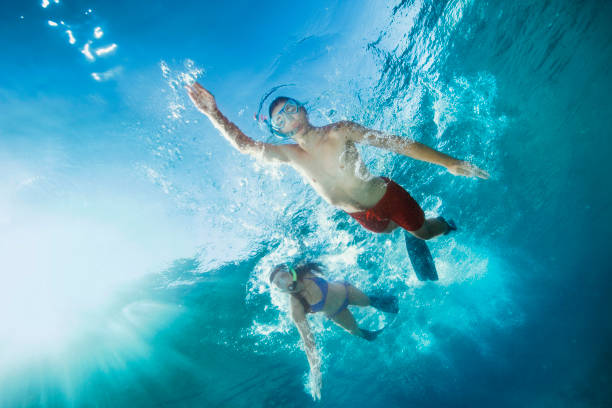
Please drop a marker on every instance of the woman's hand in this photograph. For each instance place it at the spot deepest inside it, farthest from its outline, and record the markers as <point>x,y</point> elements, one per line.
<point>314,383</point>
<point>201,98</point>
<point>463,168</point>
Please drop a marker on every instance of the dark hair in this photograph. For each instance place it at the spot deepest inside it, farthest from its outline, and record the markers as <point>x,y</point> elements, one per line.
<point>275,102</point>
<point>301,269</point>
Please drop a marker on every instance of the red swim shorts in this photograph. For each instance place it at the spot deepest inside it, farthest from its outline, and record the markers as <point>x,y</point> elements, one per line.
<point>397,206</point>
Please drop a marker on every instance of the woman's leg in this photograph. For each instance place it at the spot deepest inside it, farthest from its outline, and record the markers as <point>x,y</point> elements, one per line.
<point>384,303</point>
<point>356,297</point>
<point>346,320</point>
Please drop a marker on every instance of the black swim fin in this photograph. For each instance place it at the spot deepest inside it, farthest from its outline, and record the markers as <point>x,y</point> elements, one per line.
<point>371,335</point>
<point>386,303</point>
<point>420,258</point>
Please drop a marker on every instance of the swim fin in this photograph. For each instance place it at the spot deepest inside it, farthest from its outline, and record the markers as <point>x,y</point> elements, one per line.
<point>371,335</point>
<point>420,258</point>
<point>386,303</point>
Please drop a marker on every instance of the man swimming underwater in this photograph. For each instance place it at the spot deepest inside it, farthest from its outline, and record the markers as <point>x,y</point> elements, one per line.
<point>328,159</point>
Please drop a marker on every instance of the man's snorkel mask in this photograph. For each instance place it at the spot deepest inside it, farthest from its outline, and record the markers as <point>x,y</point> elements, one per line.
<point>290,107</point>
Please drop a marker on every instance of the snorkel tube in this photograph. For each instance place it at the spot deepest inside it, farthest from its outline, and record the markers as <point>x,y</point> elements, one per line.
<point>293,284</point>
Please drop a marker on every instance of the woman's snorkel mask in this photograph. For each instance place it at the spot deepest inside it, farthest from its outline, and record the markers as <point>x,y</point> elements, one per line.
<point>290,107</point>
<point>294,278</point>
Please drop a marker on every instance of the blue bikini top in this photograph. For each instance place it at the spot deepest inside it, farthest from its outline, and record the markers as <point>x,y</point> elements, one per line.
<point>322,284</point>
<point>317,307</point>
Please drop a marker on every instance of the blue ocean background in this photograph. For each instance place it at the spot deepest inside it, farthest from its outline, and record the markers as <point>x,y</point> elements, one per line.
<point>135,243</point>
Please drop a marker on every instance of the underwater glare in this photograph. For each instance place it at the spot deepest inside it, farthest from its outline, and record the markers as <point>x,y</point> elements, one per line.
<point>136,243</point>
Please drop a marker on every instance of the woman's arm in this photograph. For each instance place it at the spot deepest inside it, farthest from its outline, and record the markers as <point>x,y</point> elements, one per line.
<point>314,360</point>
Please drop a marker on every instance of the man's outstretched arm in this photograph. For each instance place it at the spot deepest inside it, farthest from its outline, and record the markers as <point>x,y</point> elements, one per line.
<point>205,102</point>
<point>410,148</point>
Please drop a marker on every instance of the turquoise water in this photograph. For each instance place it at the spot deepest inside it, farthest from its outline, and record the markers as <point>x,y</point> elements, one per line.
<point>146,284</point>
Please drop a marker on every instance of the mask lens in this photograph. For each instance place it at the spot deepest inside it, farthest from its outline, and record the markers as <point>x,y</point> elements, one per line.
<point>284,283</point>
<point>291,107</point>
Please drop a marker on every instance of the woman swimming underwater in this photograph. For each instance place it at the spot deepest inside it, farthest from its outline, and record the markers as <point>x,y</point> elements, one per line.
<point>311,293</point>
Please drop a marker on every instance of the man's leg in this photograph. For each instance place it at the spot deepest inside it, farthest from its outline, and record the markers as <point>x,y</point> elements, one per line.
<point>390,227</point>
<point>432,227</point>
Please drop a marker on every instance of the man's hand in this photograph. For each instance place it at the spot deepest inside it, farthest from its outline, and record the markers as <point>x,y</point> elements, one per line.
<point>463,168</point>
<point>201,98</point>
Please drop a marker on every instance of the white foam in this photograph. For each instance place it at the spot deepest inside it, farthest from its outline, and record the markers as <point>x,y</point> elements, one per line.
<point>52,23</point>
<point>98,33</point>
<point>158,179</point>
<point>164,68</point>
<point>175,110</point>
<point>106,75</point>
<point>87,52</point>
<point>102,51</point>
<point>176,80</point>
<point>71,38</point>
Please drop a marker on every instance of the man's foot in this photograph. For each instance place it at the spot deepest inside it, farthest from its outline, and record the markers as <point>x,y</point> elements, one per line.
<point>450,225</point>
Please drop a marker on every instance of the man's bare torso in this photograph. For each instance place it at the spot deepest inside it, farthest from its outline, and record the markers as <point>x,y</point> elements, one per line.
<point>336,171</point>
